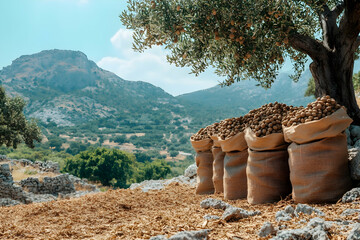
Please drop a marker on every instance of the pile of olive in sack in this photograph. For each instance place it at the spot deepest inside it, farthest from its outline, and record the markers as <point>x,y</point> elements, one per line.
<point>274,151</point>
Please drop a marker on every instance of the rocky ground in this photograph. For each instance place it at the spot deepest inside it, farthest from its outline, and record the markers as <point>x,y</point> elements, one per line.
<point>134,214</point>
<point>169,209</point>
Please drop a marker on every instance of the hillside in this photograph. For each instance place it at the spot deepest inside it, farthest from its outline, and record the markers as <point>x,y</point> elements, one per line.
<point>66,88</point>
<point>245,95</point>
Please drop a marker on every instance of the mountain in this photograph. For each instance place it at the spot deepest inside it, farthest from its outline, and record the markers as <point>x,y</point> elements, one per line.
<point>66,88</point>
<point>245,95</point>
<point>76,101</point>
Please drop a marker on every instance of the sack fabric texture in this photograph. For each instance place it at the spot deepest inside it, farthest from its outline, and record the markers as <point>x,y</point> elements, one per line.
<point>318,159</point>
<point>204,162</point>
<point>236,154</point>
<point>267,169</point>
<point>218,165</point>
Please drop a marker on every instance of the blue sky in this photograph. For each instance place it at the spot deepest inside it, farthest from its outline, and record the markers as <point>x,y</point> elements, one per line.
<point>93,27</point>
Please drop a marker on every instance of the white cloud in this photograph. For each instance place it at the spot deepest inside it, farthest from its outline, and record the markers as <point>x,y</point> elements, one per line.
<point>152,66</point>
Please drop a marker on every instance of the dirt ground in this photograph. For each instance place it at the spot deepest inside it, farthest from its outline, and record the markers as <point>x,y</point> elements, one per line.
<point>132,214</point>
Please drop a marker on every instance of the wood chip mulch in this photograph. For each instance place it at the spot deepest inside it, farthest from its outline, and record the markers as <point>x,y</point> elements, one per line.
<point>133,214</point>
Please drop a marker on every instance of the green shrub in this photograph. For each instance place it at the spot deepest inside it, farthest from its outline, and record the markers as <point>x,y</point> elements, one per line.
<point>103,165</point>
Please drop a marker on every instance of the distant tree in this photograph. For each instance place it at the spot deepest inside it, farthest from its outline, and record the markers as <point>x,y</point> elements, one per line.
<point>310,91</point>
<point>142,157</point>
<point>109,166</point>
<point>14,128</point>
<point>56,143</point>
<point>119,139</point>
<point>173,153</point>
<point>157,169</point>
<point>251,39</point>
<point>77,147</point>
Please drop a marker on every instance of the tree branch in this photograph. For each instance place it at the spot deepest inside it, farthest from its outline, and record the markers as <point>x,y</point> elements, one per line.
<point>350,22</point>
<point>307,45</point>
<point>338,9</point>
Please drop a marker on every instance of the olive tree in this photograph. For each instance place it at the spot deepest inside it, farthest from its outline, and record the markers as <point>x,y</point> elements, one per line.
<point>14,128</point>
<point>251,39</point>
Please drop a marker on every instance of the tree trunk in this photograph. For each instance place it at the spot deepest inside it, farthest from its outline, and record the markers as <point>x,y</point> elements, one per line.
<point>333,76</point>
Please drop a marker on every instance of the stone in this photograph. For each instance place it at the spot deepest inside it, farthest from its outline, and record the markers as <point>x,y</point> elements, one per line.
<point>354,233</point>
<point>348,136</point>
<point>234,213</point>
<point>214,203</point>
<point>37,198</point>
<point>315,229</point>
<point>306,209</point>
<point>352,152</point>
<point>50,185</point>
<point>266,230</point>
<point>354,158</point>
<point>8,202</point>
<point>285,215</point>
<point>191,235</point>
<point>211,217</point>
<point>191,171</point>
<point>148,185</point>
<point>158,237</point>
<point>293,234</point>
<point>319,223</point>
<point>181,179</point>
<point>355,132</point>
<point>351,195</point>
<point>348,212</point>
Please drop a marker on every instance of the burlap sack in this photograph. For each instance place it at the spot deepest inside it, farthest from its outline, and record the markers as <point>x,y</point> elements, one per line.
<point>218,169</point>
<point>318,159</point>
<point>319,170</point>
<point>267,169</point>
<point>270,142</point>
<point>218,165</point>
<point>204,162</point>
<point>235,184</point>
<point>329,126</point>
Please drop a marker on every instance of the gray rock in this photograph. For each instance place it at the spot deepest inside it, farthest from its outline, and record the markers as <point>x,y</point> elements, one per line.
<point>182,180</point>
<point>266,230</point>
<point>348,212</point>
<point>315,229</point>
<point>211,217</point>
<point>148,185</point>
<point>8,202</point>
<point>190,172</point>
<point>36,198</point>
<point>319,223</point>
<point>158,237</point>
<point>285,215</point>
<point>354,233</point>
<point>354,132</point>
<point>351,195</point>
<point>234,213</point>
<point>348,136</point>
<point>293,234</point>
<point>50,185</point>
<point>354,158</point>
<point>191,235</point>
<point>306,209</point>
<point>214,203</point>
